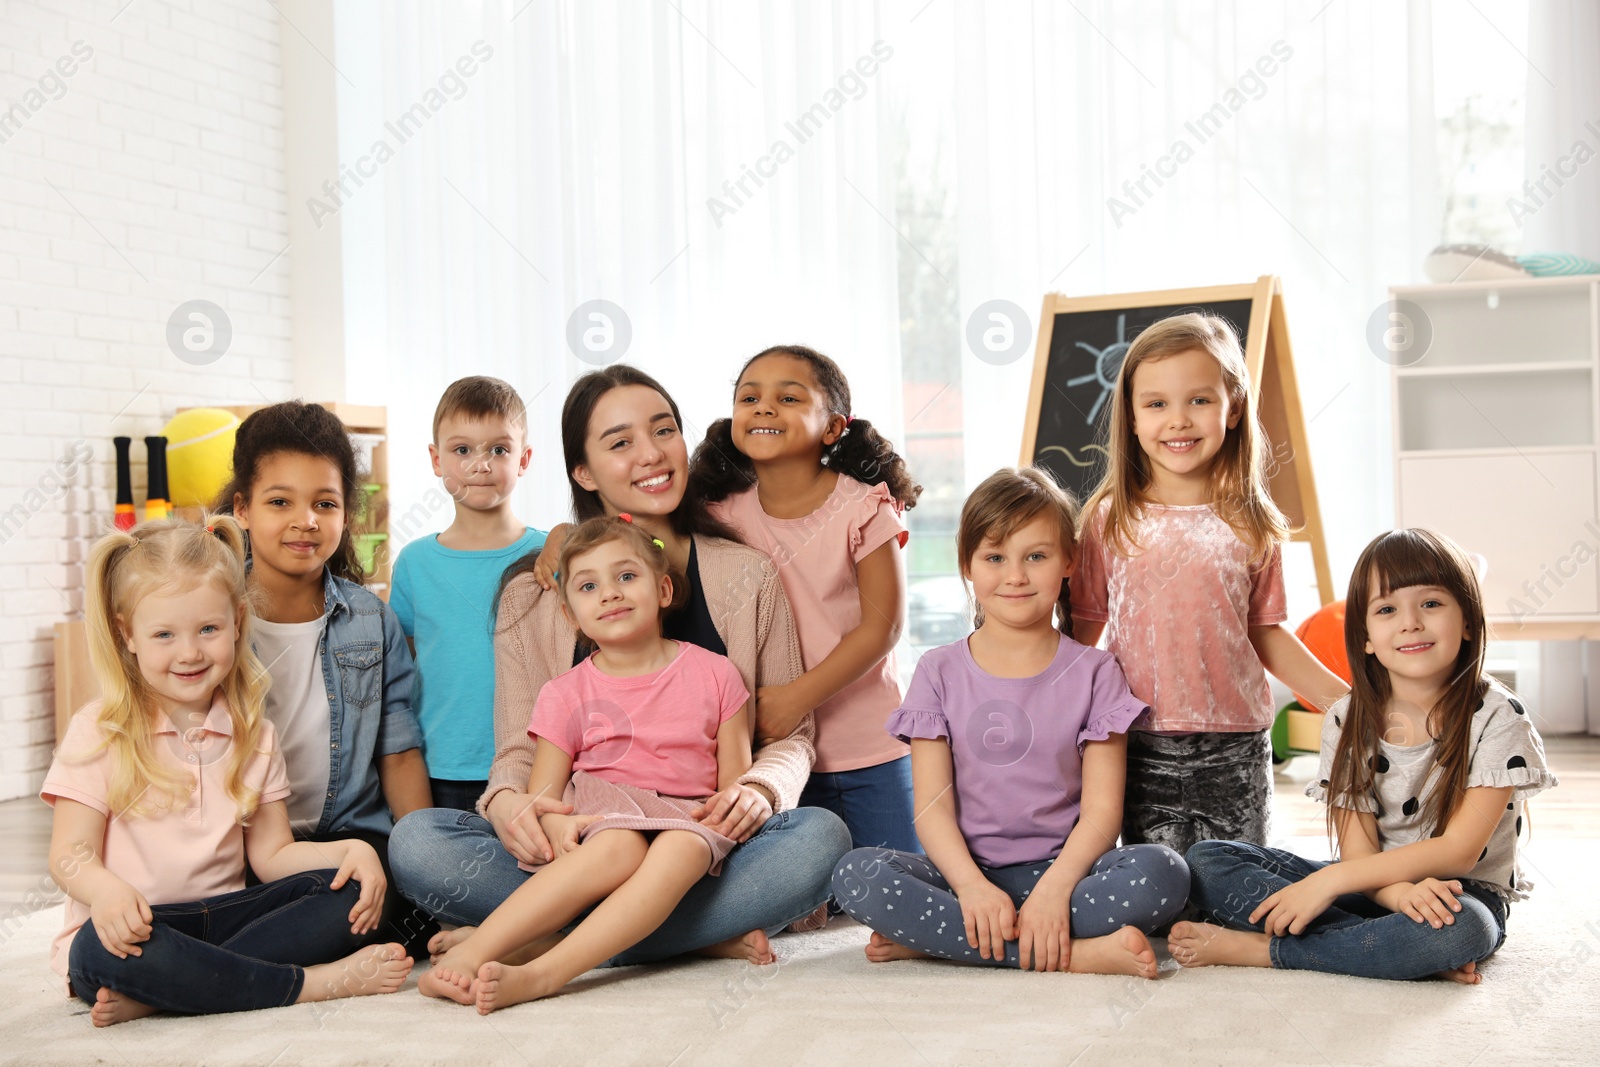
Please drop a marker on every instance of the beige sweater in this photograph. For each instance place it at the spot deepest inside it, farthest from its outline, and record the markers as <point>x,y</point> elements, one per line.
<point>533,643</point>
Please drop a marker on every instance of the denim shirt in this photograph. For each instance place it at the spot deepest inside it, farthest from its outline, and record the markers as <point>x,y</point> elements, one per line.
<point>368,671</point>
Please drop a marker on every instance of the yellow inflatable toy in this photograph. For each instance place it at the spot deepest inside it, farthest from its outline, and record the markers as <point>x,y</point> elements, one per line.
<point>199,455</point>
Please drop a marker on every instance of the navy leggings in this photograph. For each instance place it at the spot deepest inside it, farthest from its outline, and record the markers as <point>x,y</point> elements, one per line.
<point>904,897</point>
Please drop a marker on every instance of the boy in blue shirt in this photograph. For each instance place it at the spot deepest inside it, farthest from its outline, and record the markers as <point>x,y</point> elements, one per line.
<point>445,584</point>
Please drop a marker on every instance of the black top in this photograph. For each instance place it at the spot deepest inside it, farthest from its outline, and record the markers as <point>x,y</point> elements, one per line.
<point>690,622</point>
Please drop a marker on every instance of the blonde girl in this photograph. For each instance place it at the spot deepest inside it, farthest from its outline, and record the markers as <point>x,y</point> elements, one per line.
<point>1426,768</point>
<point>166,787</point>
<point>633,740</point>
<point>1182,569</point>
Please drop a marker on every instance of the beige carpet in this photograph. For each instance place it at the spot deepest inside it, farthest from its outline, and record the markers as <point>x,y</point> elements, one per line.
<point>824,1004</point>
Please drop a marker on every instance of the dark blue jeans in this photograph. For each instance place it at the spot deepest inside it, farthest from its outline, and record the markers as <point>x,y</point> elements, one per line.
<point>1355,935</point>
<point>904,897</point>
<point>233,952</point>
<point>874,802</point>
<point>462,796</point>
<point>451,864</point>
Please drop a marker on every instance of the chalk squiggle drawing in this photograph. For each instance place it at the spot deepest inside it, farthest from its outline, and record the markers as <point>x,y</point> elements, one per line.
<point>1108,361</point>
<point>1074,460</point>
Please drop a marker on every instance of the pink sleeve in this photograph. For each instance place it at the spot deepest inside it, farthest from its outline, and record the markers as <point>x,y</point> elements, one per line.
<point>1268,602</point>
<point>732,693</point>
<point>78,772</point>
<point>875,521</point>
<point>552,719</point>
<point>274,776</point>
<point>1088,585</point>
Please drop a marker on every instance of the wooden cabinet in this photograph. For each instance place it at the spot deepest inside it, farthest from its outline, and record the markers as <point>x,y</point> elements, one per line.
<point>1495,441</point>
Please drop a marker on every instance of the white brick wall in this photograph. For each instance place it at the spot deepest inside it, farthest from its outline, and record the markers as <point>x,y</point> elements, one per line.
<point>152,175</point>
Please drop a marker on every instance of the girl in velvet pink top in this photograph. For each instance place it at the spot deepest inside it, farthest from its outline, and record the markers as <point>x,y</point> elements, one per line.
<point>1018,740</point>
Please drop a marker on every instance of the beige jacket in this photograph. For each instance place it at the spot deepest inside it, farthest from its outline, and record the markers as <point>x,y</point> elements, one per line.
<point>534,642</point>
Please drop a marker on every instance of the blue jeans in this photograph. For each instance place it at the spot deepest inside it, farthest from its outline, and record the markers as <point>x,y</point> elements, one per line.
<point>462,796</point>
<point>1143,886</point>
<point>874,802</point>
<point>451,864</point>
<point>1355,936</point>
<point>232,952</point>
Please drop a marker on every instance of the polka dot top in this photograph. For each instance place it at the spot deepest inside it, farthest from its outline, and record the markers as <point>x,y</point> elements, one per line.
<point>1506,752</point>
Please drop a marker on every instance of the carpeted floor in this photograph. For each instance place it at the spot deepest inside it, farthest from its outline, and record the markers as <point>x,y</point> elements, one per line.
<point>824,1003</point>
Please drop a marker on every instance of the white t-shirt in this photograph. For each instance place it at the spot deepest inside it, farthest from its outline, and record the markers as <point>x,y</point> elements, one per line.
<point>1506,752</point>
<point>297,705</point>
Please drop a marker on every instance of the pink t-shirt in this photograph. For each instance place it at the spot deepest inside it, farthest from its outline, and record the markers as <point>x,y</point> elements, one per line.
<point>816,557</point>
<point>1178,615</point>
<point>186,852</point>
<point>652,731</point>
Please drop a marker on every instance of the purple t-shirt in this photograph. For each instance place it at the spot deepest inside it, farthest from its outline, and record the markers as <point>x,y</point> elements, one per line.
<point>1017,743</point>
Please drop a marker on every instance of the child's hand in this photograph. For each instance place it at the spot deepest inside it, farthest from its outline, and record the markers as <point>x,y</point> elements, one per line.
<point>544,568</point>
<point>122,918</point>
<point>1431,901</point>
<point>736,812</point>
<point>1291,909</point>
<point>361,863</point>
<point>1044,928</point>
<point>564,830</point>
<point>779,709</point>
<point>990,918</point>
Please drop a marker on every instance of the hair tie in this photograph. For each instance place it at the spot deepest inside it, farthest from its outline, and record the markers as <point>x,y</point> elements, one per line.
<point>211,527</point>
<point>848,419</point>
<point>662,545</point>
<point>625,517</point>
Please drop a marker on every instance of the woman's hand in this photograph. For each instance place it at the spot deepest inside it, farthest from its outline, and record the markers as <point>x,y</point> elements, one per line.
<point>1044,927</point>
<point>1431,901</point>
<point>122,918</point>
<point>515,817</point>
<point>544,568</point>
<point>1291,909</point>
<point>779,709</point>
<point>737,812</point>
<point>564,831</point>
<point>990,917</point>
<point>361,863</point>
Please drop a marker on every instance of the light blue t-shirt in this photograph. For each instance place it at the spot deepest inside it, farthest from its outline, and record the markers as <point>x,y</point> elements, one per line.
<point>444,598</point>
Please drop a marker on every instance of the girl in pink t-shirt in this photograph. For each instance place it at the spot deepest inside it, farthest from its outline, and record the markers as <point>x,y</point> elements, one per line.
<point>821,492</point>
<point>634,739</point>
<point>1181,568</point>
<point>169,784</point>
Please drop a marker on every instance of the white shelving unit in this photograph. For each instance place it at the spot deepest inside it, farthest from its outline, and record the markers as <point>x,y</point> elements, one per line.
<point>1496,445</point>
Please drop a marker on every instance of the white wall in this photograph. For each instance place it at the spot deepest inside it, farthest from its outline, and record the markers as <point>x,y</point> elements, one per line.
<point>151,175</point>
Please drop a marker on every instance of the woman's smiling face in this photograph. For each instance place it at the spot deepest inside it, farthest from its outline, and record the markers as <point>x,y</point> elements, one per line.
<point>634,452</point>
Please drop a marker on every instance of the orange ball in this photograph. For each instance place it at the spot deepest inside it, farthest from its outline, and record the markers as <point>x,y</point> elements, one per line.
<point>1323,634</point>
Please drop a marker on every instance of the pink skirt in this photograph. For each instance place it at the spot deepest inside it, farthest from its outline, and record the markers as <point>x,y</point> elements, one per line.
<point>627,807</point>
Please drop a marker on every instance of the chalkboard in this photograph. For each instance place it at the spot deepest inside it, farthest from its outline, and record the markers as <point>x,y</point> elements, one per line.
<point>1086,352</point>
<point>1081,347</point>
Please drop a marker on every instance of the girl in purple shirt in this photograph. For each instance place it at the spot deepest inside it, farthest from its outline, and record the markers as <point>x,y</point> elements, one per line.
<point>1018,742</point>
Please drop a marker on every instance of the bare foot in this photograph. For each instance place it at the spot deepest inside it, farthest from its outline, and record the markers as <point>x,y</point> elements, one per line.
<point>445,940</point>
<point>882,950</point>
<point>1125,952</point>
<point>452,975</point>
<point>1466,974</point>
<point>752,948</point>
<point>1205,945</point>
<point>111,1007</point>
<point>815,921</point>
<point>499,986</point>
<point>374,969</point>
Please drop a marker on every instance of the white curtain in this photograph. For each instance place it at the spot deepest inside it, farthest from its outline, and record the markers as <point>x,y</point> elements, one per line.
<point>1563,113</point>
<point>579,161</point>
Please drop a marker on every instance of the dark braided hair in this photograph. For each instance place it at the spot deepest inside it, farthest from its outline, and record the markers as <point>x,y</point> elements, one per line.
<point>719,469</point>
<point>301,429</point>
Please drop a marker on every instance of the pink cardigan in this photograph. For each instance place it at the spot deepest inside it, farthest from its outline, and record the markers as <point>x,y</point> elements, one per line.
<point>533,643</point>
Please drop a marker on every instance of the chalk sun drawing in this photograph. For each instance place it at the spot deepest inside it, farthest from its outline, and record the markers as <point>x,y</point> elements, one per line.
<point>1108,361</point>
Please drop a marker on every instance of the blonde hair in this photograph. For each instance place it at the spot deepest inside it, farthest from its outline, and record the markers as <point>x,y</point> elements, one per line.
<point>1238,476</point>
<point>592,533</point>
<point>1005,502</point>
<point>170,556</point>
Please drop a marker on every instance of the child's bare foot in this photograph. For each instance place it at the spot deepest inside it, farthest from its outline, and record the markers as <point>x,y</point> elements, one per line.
<point>752,948</point>
<point>451,976</point>
<point>1205,945</point>
<point>374,969</point>
<point>815,921</point>
<point>111,1007</point>
<point>882,950</point>
<point>1466,974</point>
<point>500,986</point>
<point>445,940</point>
<point>1125,952</point>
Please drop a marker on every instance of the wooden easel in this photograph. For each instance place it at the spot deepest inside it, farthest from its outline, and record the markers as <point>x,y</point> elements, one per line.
<point>1268,356</point>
